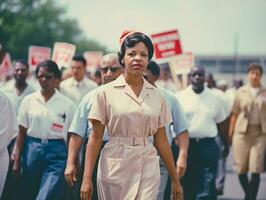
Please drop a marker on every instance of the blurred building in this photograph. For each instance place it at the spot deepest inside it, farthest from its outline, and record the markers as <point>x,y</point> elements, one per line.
<point>230,67</point>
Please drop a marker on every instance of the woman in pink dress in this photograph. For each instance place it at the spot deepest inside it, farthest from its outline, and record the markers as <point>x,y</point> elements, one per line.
<point>132,110</point>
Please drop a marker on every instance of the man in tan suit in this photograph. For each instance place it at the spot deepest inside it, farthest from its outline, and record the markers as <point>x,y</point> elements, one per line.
<point>248,131</point>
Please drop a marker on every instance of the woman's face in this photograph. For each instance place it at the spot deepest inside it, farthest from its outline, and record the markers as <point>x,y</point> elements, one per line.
<point>46,79</point>
<point>136,59</point>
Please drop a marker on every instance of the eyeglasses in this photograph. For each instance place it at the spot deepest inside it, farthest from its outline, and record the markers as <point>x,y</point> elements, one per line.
<point>46,76</point>
<point>112,69</point>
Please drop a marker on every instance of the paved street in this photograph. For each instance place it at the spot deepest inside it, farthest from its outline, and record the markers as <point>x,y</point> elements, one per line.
<point>233,190</point>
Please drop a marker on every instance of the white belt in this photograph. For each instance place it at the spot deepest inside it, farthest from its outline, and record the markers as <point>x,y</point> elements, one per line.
<point>130,141</point>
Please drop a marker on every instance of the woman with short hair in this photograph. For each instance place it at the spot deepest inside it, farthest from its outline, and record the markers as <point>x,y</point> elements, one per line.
<point>132,110</point>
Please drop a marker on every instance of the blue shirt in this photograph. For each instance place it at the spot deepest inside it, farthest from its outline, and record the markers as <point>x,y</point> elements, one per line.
<point>80,125</point>
<point>180,123</point>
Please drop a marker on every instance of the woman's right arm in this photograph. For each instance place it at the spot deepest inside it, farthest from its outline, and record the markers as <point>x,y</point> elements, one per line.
<point>232,127</point>
<point>92,152</point>
<point>236,109</point>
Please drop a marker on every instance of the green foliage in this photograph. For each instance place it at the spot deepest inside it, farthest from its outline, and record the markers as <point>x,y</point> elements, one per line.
<point>38,22</point>
<point>89,45</point>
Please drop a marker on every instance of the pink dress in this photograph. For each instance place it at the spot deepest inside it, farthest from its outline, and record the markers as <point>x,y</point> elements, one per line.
<point>129,165</point>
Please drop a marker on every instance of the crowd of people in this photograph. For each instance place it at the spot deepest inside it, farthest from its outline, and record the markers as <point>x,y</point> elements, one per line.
<point>127,137</point>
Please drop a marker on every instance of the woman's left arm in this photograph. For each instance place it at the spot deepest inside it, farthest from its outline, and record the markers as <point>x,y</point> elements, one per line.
<point>164,149</point>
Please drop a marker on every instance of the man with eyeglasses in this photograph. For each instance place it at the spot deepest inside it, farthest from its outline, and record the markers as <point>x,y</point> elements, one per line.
<point>79,129</point>
<point>78,85</point>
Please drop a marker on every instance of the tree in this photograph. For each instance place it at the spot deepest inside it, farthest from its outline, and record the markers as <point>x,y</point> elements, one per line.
<point>38,22</point>
<point>89,45</point>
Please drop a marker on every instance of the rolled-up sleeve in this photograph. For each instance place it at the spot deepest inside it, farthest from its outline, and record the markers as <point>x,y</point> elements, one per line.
<point>221,112</point>
<point>99,108</point>
<point>180,123</point>
<point>79,123</point>
<point>165,116</point>
<point>23,113</point>
<point>8,122</point>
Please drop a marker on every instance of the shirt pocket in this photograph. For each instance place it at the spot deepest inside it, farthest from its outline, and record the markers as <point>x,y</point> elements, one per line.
<point>245,102</point>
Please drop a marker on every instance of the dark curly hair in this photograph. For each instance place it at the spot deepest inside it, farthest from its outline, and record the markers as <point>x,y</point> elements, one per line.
<point>51,66</point>
<point>131,41</point>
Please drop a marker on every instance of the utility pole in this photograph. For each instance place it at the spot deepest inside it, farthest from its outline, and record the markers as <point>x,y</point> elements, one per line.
<point>236,54</point>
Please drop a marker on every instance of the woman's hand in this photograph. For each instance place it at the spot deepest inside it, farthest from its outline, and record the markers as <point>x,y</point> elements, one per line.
<point>177,190</point>
<point>86,190</point>
<point>71,174</point>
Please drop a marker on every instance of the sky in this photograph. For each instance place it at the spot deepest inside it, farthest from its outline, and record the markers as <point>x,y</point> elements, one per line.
<point>206,27</point>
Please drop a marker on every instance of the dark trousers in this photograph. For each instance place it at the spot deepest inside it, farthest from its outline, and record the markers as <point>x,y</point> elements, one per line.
<point>220,178</point>
<point>199,180</point>
<point>44,163</point>
<point>175,151</point>
<point>12,188</point>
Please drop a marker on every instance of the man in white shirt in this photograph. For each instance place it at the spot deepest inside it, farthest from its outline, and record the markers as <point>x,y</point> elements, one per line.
<point>78,84</point>
<point>8,126</point>
<point>206,116</point>
<point>16,89</point>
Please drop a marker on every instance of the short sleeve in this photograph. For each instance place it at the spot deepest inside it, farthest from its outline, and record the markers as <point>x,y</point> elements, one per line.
<point>99,108</point>
<point>23,119</point>
<point>221,112</point>
<point>165,116</point>
<point>79,123</point>
<point>8,122</point>
<point>180,123</point>
<point>72,109</point>
<point>226,105</point>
